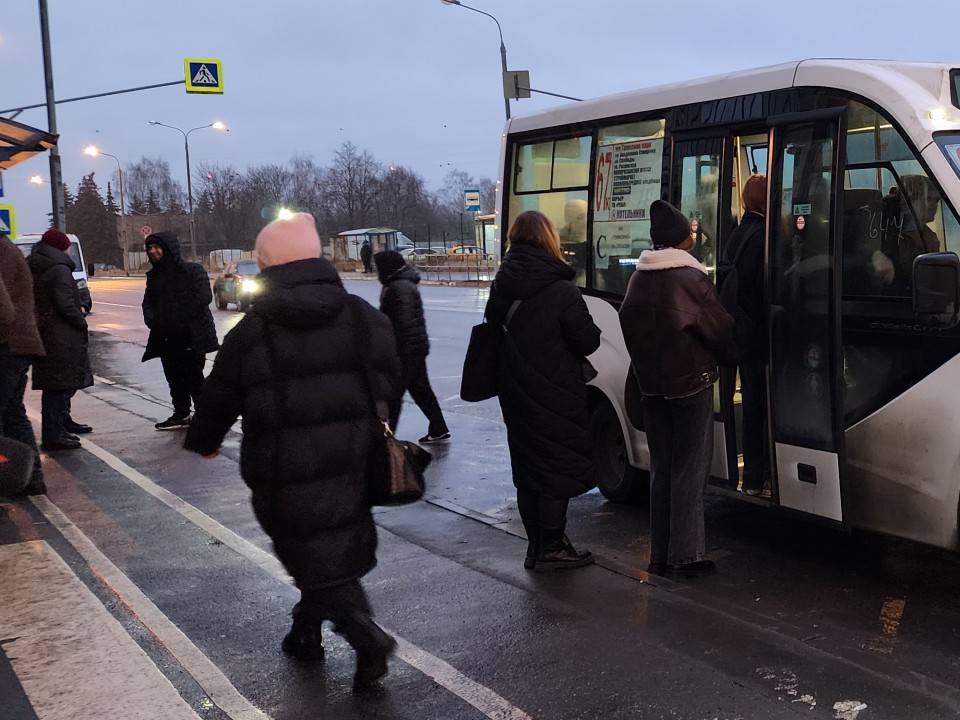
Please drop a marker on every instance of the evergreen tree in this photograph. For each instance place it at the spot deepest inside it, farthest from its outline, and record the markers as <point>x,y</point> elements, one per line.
<point>90,220</point>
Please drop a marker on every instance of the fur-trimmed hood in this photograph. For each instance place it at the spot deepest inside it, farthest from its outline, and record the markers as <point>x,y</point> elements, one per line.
<point>666,259</point>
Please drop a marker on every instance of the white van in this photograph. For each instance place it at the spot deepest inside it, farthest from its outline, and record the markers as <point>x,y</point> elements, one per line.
<point>26,243</point>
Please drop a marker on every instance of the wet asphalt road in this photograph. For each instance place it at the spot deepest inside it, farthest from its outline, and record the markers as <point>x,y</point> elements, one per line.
<point>800,621</point>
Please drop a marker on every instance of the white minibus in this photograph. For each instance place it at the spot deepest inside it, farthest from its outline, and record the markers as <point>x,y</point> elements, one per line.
<point>863,370</point>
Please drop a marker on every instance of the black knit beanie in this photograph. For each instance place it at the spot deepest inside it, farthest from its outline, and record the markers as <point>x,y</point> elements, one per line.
<point>668,226</point>
<point>388,262</point>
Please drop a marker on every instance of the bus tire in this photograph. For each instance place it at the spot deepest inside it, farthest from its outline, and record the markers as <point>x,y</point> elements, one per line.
<point>617,479</point>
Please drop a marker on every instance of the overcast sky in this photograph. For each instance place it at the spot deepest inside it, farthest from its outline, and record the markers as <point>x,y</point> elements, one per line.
<point>415,82</point>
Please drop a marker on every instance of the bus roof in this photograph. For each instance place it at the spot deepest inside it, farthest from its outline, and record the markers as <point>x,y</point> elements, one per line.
<point>924,85</point>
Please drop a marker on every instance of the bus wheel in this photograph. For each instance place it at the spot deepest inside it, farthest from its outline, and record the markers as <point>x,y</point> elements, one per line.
<point>617,479</point>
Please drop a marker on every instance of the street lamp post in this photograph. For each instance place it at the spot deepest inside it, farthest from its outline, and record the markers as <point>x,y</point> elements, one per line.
<point>186,150</point>
<point>94,151</point>
<point>503,49</point>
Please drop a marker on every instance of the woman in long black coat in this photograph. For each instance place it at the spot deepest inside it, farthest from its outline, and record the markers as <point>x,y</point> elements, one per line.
<point>543,394</point>
<point>293,368</point>
<point>63,330</point>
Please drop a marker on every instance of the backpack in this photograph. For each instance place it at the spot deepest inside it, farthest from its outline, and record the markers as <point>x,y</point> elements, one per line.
<point>728,289</point>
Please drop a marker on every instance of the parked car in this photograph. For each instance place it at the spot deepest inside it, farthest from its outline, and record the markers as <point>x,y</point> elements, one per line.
<point>412,253</point>
<point>237,283</point>
<point>465,250</point>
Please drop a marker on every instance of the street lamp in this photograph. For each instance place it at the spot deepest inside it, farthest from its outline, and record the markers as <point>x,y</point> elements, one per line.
<point>503,49</point>
<point>94,151</point>
<point>186,149</point>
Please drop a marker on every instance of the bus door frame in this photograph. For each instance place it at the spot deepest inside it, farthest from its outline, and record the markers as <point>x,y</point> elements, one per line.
<point>724,465</point>
<point>795,482</point>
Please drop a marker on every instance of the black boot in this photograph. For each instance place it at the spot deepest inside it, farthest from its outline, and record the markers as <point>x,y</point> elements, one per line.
<point>529,506</point>
<point>304,642</point>
<point>558,553</point>
<point>372,644</point>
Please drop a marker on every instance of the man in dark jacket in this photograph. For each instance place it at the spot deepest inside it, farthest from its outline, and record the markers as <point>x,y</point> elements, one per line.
<point>63,329</point>
<point>296,369</point>
<point>19,344</point>
<point>366,253</point>
<point>176,308</point>
<point>674,327</point>
<point>751,236</point>
<point>400,301</point>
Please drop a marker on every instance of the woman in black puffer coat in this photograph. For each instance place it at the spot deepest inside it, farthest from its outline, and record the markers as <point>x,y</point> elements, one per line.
<point>543,395</point>
<point>63,329</point>
<point>293,369</point>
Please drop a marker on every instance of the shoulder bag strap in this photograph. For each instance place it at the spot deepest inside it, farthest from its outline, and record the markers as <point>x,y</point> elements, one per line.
<point>510,312</point>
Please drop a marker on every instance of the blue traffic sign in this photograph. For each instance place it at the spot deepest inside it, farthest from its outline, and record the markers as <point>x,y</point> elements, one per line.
<point>8,221</point>
<point>203,75</point>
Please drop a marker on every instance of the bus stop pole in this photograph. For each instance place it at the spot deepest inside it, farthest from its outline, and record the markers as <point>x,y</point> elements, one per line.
<point>56,179</point>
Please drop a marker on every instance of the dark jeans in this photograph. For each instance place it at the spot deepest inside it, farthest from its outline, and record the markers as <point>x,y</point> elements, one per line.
<point>183,370</point>
<point>14,422</point>
<point>54,406</point>
<point>418,385</point>
<point>680,438</point>
<point>756,449</point>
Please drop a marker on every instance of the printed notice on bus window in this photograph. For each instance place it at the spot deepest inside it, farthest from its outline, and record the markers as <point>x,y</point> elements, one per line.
<point>627,180</point>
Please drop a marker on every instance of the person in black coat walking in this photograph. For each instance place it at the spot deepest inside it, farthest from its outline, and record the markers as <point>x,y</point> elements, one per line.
<point>294,369</point>
<point>63,329</point>
<point>400,301</point>
<point>753,384</point>
<point>543,395</point>
<point>176,308</point>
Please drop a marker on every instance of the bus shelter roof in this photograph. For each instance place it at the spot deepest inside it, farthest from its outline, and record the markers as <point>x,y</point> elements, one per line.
<point>19,142</point>
<point>367,231</point>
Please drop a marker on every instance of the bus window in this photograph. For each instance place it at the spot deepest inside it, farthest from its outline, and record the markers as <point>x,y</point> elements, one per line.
<point>552,177</point>
<point>629,169</point>
<point>698,177</point>
<point>892,210</point>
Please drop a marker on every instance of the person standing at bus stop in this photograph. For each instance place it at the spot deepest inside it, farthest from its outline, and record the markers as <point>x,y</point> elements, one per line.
<point>176,308</point>
<point>542,390</point>
<point>20,344</point>
<point>674,327</point>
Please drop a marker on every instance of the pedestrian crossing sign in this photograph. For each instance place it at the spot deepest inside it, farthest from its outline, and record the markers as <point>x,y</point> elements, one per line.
<point>203,75</point>
<point>8,221</point>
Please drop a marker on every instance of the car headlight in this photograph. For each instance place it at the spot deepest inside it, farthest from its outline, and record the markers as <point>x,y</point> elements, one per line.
<point>250,286</point>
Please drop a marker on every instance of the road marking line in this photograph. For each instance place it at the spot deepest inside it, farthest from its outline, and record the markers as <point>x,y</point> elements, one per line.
<point>101,302</point>
<point>73,658</point>
<point>482,698</point>
<point>208,676</point>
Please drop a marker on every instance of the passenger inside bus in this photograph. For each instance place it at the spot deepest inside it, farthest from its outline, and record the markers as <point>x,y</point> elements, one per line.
<point>573,238</point>
<point>918,206</point>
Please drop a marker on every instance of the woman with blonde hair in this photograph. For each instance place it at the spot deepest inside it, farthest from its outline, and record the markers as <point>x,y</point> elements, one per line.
<point>543,394</point>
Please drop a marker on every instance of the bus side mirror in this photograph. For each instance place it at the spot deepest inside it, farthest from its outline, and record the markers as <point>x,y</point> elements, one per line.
<point>91,268</point>
<point>936,289</point>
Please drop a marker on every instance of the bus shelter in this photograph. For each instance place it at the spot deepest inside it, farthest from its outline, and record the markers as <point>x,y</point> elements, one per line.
<point>352,240</point>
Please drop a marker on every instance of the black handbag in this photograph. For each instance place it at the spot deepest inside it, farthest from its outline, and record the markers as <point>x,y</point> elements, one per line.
<point>395,467</point>
<point>480,365</point>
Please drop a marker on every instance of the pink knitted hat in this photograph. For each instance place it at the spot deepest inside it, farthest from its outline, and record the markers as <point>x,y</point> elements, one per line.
<point>288,240</point>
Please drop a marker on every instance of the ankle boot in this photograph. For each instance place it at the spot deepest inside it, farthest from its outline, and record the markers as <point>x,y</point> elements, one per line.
<point>558,553</point>
<point>372,644</point>
<point>530,559</point>
<point>304,642</point>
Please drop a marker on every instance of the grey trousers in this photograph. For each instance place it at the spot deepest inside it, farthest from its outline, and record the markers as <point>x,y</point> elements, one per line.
<point>680,437</point>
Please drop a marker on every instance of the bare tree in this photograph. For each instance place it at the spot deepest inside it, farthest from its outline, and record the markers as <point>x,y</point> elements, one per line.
<point>351,185</point>
<point>150,180</point>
